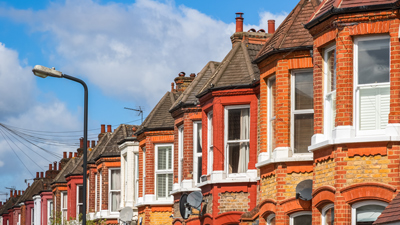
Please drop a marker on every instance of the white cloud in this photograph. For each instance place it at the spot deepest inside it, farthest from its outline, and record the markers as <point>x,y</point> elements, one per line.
<point>1,163</point>
<point>265,16</point>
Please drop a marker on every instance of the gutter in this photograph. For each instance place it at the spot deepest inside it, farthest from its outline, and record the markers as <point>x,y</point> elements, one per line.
<point>230,87</point>
<point>336,11</point>
<point>153,129</point>
<point>281,50</point>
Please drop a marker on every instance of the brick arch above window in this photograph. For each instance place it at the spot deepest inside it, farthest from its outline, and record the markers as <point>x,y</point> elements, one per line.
<point>323,196</point>
<point>293,205</point>
<point>368,191</point>
<point>267,207</point>
<point>228,218</point>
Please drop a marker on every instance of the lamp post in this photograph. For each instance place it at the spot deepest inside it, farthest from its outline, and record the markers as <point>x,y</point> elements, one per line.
<point>44,72</point>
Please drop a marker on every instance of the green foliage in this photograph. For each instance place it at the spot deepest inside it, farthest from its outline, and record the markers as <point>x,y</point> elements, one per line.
<point>73,221</point>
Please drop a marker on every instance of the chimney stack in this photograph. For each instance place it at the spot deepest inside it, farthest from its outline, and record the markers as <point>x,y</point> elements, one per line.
<point>50,167</point>
<point>271,26</point>
<point>109,128</point>
<point>11,193</point>
<point>239,22</point>
<point>64,155</point>
<point>55,166</point>
<point>88,144</point>
<point>19,193</point>
<point>37,174</point>
<point>15,193</point>
<point>23,192</point>
<point>182,82</point>
<point>60,166</point>
<point>93,143</point>
<point>1,204</point>
<point>75,154</point>
<point>172,87</point>
<point>70,155</point>
<point>81,142</point>
<point>103,128</point>
<point>41,174</point>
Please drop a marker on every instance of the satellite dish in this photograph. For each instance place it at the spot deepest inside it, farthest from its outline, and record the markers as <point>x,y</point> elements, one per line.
<point>194,199</point>
<point>126,214</point>
<point>304,190</point>
<point>183,209</point>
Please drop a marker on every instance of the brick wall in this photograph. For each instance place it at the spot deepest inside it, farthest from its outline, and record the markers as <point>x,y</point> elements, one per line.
<point>230,201</point>
<point>324,173</point>
<point>160,218</point>
<point>268,187</point>
<point>209,200</point>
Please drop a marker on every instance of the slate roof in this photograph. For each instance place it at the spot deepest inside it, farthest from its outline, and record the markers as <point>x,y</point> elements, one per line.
<point>188,97</point>
<point>291,33</point>
<point>36,187</point>
<point>391,213</point>
<point>8,205</point>
<point>333,7</point>
<point>236,69</point>
<point>68,168</point>
<point>160,118</point>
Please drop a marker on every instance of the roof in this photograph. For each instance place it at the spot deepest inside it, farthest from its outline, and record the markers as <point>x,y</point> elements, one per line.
<point>236,68</point>
<point>68,168</point>
<point>160,118</point>
<point>36,187</point>
<point>96,151</point>
<point>291,33</point>
<point>8,205</point>
<point>332,7</point>
<point>391,213</point>
<point>188,97</point>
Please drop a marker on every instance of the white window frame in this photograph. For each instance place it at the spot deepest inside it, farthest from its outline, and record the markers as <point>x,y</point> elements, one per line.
<point>49,212</point>
<point>19,219</point>
<point>125,177</point>
<point>302,213</point>
<point>329,125</point>
<point>196,154</point>
<point>61,206</point>
<point>32,216</point>
<point>226,109</point>
<point>210,142</point>
<point>136,157</point>
<point>95,191</point>
<point>144,173</point>
<point>298,111</point>
<point>166,171</point>
<point>323,212</point>
<point>101,190</point>
<point>356,93</point>
<point>269,218</point>
<point>363,203</point>
<point>88,194</point>
<point>77,201</point>
<point>180,154</point>
<point>112,191</point>
<point>269,116</point>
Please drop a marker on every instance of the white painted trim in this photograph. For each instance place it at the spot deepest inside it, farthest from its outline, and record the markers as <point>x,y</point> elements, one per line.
<point>180,153</point>
<point>323,212</point>
<point>77,201</point>
<point>110,191</point>
<point>269,118</point>
<point>327,108</point>
<point>210,157</point>
<point>302,158</point>
<point>166,171</point>
<point>363,203</point>
<point>196,125</point>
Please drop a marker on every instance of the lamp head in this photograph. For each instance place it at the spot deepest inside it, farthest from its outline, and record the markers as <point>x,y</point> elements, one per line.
<point>43,72</point>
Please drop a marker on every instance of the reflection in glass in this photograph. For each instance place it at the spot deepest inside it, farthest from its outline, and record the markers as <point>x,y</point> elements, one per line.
<point>373,61</point>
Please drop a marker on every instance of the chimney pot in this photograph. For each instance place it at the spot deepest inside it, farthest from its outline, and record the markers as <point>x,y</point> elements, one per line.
<point>88,144</point>
<point>75,154</point>
<point>239,22</point>
<point>59,166</point>
<point>1,204</point>
<point>41,174</point>
<point>271,26</point>
<point>29,184</point>
<point>64,155</point>
<point>50,166</point>
<point>182,74</point>
<point>172,87</point>
<point>37,174</point>
<point>11,193</point>
<point>15,193</point>
<point>19,192</point>
<point>103,128</point>
<point>70,155</point>
<point>55,166</point>
<point>192,75</point>
<point>93,143</point>
<point>109,128</point>
<point>23,192</point>
<point>81,142</point>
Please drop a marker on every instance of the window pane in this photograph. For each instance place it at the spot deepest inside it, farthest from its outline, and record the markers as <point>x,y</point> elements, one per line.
<point>272,117</point>
<point>199,163</point>
<point>302,220</point>
<point>161,185</point>
<point>329,217</point>
<point>115,180</point>
<point>303,131</point>
<point>373,61</point>
<point>304,91</point>
<point>162,158</point>
<point>65,201</point>
<point>368,214</point>
<point>199,139</point>
<point>169,183</point>
<point>238,157</point>
<point>80,192</point>
<point>272,222</point>
<point>331,68</point>
<point>115,199</point>
<point>234,124</point>
<point>80,211</point>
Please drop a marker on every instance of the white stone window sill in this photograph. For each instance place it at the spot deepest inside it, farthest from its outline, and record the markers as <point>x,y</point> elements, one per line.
<point>217,177</point>
<point>151,200</point>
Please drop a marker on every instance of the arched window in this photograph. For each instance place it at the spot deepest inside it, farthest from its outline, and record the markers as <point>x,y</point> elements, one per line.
<point>328,215</point>
<point>271,219</point>
<point>366,212</point>
<point>301,218</point>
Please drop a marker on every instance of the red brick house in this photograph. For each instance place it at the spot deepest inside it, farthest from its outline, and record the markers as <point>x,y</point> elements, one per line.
<point>6,209</point>
<point>229,108</point>
<point>156,153</point>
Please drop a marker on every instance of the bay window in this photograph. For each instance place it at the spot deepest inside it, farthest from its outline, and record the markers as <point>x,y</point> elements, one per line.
<point>210,153</point>
<point>237,134</point>
<point>271,114</point>
<point>366,212</point>
<point>114,189</point>
<point>164,171</point>
<point>180,154</point>
<point>302,111</point>
<point>197,151</point>
<point>372,87</point>
<point>64,206</point>
<point>79,201</point>
<point>330,90</point>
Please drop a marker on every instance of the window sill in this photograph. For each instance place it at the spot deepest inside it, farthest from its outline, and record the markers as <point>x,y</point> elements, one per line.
<point>152,200</point>
<point>346,135</point>
<point>220,177</point>
<point>294,158</point>
<point>180,190</point>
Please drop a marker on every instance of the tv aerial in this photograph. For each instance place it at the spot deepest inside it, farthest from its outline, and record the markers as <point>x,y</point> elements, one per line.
<point>187,202</point>
<point>137,110</point>
<point>126,215</point>
<point>304,190</point>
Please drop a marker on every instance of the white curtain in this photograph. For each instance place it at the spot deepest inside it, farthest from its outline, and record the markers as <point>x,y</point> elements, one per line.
<point>115,189</point>
<point>199,135</point>
<point>244,135</point>
<point>115,200</point>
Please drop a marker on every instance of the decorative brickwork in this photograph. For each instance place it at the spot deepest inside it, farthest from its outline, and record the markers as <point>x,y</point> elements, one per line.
<point>268,187</point>
<point>324,173</point>
<point>233,202</point>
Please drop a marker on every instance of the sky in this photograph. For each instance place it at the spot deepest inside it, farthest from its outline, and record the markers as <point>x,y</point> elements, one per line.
<point>128,53</point>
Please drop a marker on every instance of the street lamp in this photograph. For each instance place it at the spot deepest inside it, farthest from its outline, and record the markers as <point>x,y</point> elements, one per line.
<point>44,72</point>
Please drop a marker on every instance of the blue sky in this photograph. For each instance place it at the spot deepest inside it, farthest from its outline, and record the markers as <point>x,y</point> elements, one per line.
<point>128,52</point>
